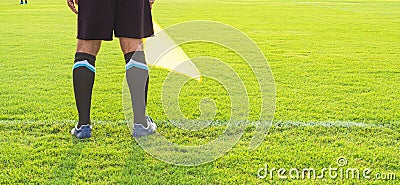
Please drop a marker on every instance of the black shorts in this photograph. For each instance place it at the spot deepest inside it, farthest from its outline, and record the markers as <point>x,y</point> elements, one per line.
<point>97,19</point>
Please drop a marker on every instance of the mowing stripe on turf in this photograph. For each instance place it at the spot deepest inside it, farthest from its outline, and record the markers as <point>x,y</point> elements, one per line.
<point>275,123</point>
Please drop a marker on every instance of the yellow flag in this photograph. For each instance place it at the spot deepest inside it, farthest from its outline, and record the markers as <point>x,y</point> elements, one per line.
<point>162,51</point>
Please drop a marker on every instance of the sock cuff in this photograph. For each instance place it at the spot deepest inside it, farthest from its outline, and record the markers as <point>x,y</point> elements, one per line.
<point>85,60</point>
<point>84,56</point>
<point>137,56</point>
<point>133,63</point>
<point>128,56</point>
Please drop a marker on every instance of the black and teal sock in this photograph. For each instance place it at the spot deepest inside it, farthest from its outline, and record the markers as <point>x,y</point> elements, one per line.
<point>83,78</point>
<point>137,76</point>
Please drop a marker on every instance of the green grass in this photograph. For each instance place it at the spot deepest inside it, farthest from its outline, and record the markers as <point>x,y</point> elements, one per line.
<point>334,62</point>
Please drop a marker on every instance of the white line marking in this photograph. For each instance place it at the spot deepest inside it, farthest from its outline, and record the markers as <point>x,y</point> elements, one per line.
<point>275,124</point>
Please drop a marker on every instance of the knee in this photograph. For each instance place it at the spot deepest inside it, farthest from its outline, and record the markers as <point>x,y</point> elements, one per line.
<point>130,44</point>
<point>91,47</point>
<point>136,45</point>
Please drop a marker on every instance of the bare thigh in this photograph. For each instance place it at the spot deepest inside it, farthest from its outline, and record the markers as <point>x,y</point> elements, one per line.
<point>88,46</point>
<point>129,44</point>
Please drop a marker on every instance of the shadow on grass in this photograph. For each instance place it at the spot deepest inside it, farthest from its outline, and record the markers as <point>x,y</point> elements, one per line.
<point>135,168</point>
<point>64,172</point>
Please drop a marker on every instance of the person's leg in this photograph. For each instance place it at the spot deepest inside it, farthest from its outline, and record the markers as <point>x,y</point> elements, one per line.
<point>26,1</point>
<point>95,23</point>
<point>83,77</point>
<point>136,76</point>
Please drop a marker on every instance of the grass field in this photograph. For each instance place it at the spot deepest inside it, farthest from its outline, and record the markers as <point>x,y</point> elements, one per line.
<point>336,69</point>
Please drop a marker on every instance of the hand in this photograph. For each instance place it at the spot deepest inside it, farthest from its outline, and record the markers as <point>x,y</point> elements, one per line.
<point>71,5</point>
<point>151,3</point>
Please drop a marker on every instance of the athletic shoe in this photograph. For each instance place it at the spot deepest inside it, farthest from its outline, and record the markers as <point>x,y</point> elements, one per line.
<point>139,130</point>
<point>21,3</point>
<point>82,133</point>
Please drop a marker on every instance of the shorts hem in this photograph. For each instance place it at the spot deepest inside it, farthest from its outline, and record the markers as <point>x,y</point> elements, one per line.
<point>107,39</point>
<point>119,36</point>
